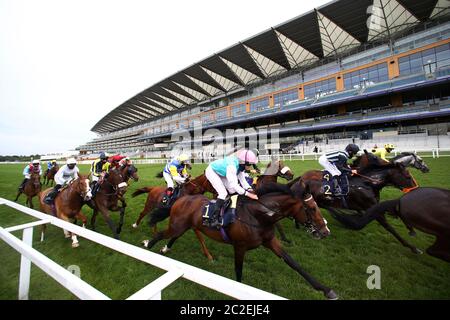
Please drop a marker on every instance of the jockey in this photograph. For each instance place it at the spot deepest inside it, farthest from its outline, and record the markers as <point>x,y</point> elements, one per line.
<point>114,160</point>
<point>125,162</point>
<point>33,167</point>
<point>98,170</point>
<point>175,170</point>
<point>228,175</point>
<point>50,165</point>
<point>381,152</point>
<point>66,173</point>
<point>336,161</point>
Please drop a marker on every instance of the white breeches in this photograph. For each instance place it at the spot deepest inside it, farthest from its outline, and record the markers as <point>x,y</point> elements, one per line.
<point>220,184</point>
<point>28,176</point>
<point>168,179</point>
<point>94,178</point>
<point>330,167</point>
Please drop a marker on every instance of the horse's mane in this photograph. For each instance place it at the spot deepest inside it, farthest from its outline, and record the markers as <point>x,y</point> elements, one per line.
<point>401,155</point>
<point>274,188</point>
<point>292,182</point>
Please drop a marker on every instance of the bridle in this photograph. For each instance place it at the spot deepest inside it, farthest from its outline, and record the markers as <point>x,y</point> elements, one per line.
<point>116,189</point>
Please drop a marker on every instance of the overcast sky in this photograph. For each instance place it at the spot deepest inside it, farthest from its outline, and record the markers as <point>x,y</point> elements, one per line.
<point>66,64</point>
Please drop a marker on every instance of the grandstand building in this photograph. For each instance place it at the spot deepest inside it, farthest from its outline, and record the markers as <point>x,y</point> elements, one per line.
<point>367,71</point>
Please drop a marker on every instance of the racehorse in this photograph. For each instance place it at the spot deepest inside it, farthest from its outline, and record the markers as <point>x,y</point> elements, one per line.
<point>199,185</point>
<point>254,225</point>
<point>364,191</point>
<point>111,190</point>
<point>68,204</point>
<point>407,159</point>
<point>50,175</point>
<point>426,209</point>
<point>31,189</point>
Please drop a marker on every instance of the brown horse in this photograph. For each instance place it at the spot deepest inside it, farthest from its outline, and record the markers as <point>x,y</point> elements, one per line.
<point>68,204</point>
<point>254,225</point>
<point>31,189</point>
<point>426,209</point>
<point>50,175</point>
<point>198,185</point>
<point>111,190</point>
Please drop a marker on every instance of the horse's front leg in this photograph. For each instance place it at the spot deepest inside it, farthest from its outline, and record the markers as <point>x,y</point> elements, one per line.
<point>239,254</point>
<point>122,214</point>
<point>18,194</point>
<point>382,220</point>
<point>276,248</point>
<point>30,202</point>
<point>105,213</point>
<point>281,232</point>
<point>94,218</point>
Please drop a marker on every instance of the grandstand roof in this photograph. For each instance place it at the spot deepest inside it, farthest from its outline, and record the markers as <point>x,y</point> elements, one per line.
<point>324,32</point>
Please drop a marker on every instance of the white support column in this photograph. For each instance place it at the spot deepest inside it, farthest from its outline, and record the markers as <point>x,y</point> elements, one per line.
<point>25,266</point>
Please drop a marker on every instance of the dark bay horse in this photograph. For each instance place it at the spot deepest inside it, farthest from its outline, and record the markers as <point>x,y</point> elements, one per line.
<point>50,175</point>
<point>111,191</point>
<point>253,227</point>
<point>68,204</point>
<point>427,209</point>
<point>364,192</point>
<point>31,189</point>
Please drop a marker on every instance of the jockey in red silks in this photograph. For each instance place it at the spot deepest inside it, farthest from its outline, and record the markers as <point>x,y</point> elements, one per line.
<point>115,160</point>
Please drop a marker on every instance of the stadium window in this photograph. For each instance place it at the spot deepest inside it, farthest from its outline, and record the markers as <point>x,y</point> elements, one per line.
<point>221,114</point>
<point>259,104</point>
<point>283,98</point>
<point>239,110</point>
<point>367,76</point>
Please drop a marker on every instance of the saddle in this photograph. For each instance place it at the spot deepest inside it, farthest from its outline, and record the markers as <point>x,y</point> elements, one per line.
<point>228,212</point>
<point>328,187</point>
<point>175,195</point>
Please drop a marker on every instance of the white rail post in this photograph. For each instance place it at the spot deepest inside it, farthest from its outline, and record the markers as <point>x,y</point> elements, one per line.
<point>437,153</point>
<point>25,266</point>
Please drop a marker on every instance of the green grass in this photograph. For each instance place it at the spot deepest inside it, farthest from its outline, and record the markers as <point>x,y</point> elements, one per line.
<point>339,261</point>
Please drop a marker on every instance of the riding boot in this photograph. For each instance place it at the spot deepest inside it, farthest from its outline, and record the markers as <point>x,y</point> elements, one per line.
<point>50,198</point>
<point>22,185</point>
<point>216,219</point>
<point>94,187</point>
<point>166,198</point>
<point>336,186</point>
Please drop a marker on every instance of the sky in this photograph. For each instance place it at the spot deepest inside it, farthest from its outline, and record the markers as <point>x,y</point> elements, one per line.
<point>66,64</point>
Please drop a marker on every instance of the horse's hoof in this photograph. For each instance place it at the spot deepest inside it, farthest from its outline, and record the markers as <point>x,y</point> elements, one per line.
<point>417,251</point>
<point>135,225</point>
<point>164,250</point>
<point>331,295</point>
<point>67,236</point>
<point>412,233</point>
<point>75,245</point>
<point>145,243</point>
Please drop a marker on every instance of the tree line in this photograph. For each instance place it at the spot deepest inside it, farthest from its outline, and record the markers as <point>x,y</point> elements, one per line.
<point>19,158</point>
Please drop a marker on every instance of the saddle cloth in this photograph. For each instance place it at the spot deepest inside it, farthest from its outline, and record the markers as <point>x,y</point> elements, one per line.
<point>328,184</point>
<point>228,212</point>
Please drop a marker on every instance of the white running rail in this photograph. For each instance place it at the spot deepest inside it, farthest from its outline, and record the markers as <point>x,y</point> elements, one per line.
<point>81,289</point>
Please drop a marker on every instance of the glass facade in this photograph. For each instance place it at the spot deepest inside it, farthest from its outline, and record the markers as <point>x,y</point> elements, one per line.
<point>238,110</point>
<point>280,99</point>
<point>221,114</point>
<point>366,76</point>
<point>425,61</point>
<point>259,104</point>
<point>320,88</point>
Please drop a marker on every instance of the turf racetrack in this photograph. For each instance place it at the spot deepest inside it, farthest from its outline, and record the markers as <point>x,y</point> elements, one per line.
<point>339,261</point>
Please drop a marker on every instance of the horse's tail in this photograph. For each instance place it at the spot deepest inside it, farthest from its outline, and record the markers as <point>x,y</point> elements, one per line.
<point>357,222</point>
<point>141,191</point>
<point>159,175</point>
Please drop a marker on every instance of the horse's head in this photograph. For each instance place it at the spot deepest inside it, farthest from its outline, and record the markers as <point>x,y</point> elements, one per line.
<point>277,168</point>
<point>131,172</point>
<point>311,217</point>
<point>35,178</point>
<point>399,177</point>
<point>418,163</point>
<point>195,186</point>
<point>118,181</point>
<point>82,187</point>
